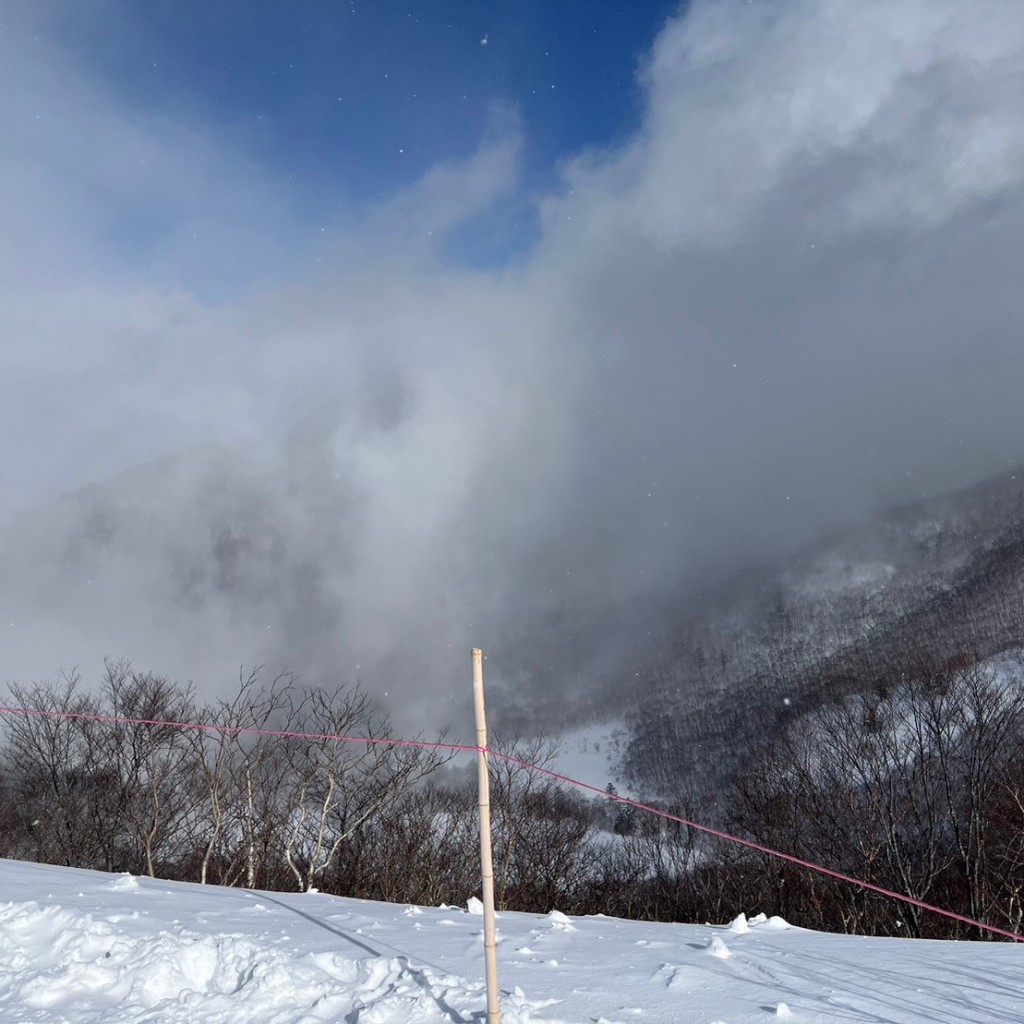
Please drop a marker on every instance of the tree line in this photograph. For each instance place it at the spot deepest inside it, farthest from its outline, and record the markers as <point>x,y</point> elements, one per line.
<point>917,786</point>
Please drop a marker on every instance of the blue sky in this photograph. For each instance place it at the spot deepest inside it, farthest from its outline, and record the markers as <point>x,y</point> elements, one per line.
<point>347,101</point>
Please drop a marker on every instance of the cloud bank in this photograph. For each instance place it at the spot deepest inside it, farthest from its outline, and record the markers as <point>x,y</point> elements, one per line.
<point>790,296</point>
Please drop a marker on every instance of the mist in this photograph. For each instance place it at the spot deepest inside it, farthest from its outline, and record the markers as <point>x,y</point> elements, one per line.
<point>790,298</point>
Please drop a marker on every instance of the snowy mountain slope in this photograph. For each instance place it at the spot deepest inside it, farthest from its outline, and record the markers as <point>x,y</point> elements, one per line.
<point>928,582</point>
<point>82,946</point>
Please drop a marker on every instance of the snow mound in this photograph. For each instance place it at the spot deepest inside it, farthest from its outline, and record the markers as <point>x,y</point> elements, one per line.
<point>64,965</point>
<point>738,925</point>
<point>716,947</point>
<point>124,883</point>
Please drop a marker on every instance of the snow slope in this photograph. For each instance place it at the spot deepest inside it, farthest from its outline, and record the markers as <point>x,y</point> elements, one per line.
<point>592,753</point>
<point>81,946</point>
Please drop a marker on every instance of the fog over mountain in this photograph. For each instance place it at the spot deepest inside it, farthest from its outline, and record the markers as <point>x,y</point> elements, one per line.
<point>791,297</point>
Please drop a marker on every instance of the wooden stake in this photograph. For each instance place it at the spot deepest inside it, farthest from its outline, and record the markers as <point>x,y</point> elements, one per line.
<point>486,862</point>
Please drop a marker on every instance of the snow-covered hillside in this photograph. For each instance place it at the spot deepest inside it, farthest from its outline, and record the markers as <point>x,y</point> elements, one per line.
<point>926,584</point>
<point>591,753</point>
<point>81,946</point>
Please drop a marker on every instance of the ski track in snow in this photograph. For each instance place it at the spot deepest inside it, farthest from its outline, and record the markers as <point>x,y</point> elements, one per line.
<point>82,946</point>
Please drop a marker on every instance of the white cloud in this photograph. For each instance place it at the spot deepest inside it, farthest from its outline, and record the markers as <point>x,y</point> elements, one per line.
<point>880,113</point>
<point>790,293</point>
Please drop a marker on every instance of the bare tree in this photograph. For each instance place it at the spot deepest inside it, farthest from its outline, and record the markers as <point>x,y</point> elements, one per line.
<point>337,785</point>
<point>147,751</point>
<point>54,779</point>
<point>237,804</point>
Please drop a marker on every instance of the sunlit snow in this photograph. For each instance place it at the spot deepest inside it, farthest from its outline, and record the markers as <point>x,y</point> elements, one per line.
<point>79,946</point>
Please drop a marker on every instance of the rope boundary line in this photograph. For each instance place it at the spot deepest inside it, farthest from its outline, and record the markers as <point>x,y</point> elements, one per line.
<point>512,759</point>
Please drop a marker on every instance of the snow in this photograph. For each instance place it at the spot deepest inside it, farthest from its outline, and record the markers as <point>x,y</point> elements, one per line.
<point>82,946</point>
<point>833,575</point>
<point>739,924</point>
<point>592,753</point>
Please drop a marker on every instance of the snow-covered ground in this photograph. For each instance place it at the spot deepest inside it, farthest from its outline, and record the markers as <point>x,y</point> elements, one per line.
<point>80,946</point>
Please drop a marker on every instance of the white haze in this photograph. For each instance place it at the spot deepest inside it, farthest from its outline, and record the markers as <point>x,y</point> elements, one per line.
<point>792,295</point>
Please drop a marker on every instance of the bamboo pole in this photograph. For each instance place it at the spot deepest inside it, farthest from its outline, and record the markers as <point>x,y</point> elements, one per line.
<point>486,862</point>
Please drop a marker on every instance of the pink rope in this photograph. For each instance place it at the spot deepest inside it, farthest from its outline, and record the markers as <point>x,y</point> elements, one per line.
<point>468,748</point>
